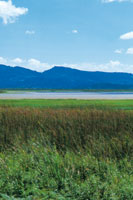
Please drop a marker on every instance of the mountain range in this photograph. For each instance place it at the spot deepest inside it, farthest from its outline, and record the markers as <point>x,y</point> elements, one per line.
<point>62,78</point>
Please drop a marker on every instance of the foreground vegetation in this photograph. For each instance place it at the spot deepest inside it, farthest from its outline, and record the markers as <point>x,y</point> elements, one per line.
<point>65,154</point>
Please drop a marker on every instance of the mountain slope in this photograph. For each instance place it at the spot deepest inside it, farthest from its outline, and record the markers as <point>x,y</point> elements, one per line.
<point>62,78</point>
<point>67,78</point>
<point>15,77</point>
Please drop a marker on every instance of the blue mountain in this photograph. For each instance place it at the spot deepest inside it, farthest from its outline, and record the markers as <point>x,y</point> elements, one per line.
<point>62,78</point>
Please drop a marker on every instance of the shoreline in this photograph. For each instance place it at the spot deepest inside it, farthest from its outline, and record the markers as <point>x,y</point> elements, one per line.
<point>76,95</point>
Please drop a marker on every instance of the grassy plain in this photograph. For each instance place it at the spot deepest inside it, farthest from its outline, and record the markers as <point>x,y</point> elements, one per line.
<point>70,103</point>
<point>66,149</point>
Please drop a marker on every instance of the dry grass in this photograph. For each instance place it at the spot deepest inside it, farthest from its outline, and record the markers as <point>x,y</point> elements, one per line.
<point>103,133</point>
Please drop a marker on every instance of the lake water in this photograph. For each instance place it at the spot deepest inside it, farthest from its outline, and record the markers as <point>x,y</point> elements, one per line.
<point>67,95</point>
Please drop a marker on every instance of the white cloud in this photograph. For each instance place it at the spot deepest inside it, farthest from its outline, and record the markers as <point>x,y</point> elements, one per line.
<point>34,64</point>
<point>29,32</point>
<point>129,51</point>
<point>37,65</point>
<point>115,66</point>
<point>75,31</point>
<point>9,12</point>
<point>110,1</point>
<point>111,66</point>
<point>114,63</point>
<point>3,60</point>
<point>17,61</point>
<point>119,51</point>
<point>127,36</point>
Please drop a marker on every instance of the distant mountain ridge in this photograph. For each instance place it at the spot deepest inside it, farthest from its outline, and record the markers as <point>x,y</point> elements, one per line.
<point>62,78</point>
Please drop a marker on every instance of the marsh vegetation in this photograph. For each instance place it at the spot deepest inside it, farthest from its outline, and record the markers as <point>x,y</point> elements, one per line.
<point>66,153</point>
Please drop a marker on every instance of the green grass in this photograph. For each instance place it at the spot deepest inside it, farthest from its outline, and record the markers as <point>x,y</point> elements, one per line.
<point>45,174</point>
<point>71,103</point>
<point>65,154</point>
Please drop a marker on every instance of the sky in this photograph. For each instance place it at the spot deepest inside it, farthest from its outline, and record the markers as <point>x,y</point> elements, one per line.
<point>91,35</point>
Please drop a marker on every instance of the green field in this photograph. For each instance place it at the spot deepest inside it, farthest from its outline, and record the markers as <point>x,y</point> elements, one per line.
<point>66,150</point>
<point>70,103</point>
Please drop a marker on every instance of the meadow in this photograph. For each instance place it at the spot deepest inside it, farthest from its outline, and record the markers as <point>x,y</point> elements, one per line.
<point>59,103</point>
<point>66,149</point>
<point>69,103</point>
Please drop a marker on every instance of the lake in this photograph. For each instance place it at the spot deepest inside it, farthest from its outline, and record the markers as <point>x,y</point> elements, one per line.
<point>67,95</point>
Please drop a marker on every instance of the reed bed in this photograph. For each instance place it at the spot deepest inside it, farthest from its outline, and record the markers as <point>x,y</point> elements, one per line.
<point>66,154</point>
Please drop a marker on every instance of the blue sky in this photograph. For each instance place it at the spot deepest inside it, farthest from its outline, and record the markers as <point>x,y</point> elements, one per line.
<point>92,35</point>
